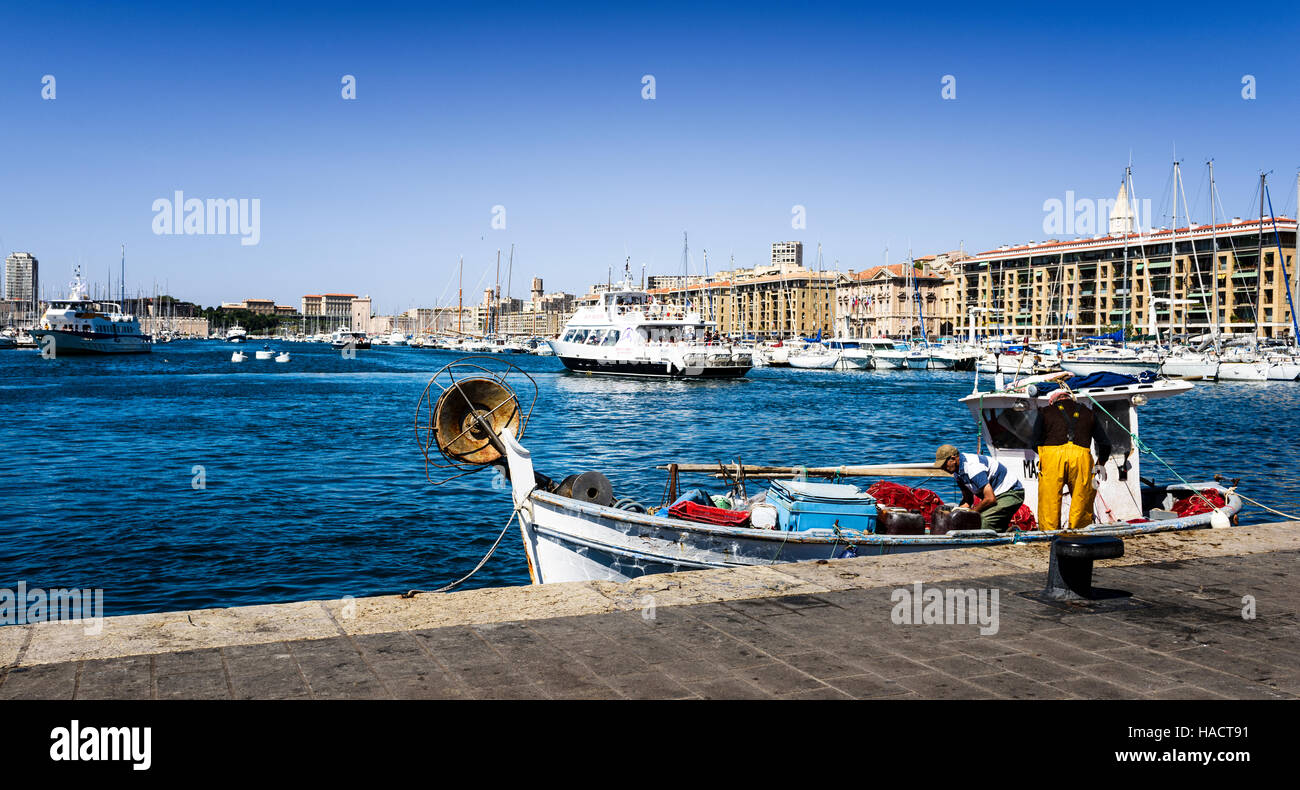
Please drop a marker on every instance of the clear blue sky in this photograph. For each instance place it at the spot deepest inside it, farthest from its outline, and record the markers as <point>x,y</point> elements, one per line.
<point>537,107</point>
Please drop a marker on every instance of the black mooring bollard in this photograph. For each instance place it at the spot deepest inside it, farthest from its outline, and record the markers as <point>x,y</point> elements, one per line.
<point>1069,572</point>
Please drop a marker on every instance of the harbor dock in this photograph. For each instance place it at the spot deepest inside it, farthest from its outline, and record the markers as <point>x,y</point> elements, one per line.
<point>1213,615</point>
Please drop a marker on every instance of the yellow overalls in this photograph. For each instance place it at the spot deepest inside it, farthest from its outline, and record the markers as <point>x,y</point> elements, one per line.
<point>1065,464</point>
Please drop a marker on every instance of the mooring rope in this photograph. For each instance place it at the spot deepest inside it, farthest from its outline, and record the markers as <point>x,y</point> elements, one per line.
<point>1269,509</point>
<point>486,557</point>
<point>1144,447</point>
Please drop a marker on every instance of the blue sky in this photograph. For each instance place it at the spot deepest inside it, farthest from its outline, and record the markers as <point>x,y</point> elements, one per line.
<point>538,108</point>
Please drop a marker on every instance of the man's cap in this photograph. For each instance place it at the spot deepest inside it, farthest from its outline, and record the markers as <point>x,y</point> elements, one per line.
<point>1058,394</point>
<point>944,452</point>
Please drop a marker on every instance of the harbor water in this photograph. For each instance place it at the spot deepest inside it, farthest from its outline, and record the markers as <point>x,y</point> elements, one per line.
<point>180,480</point>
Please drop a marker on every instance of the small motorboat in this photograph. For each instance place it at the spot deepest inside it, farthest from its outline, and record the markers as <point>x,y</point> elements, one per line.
<point>238,356</point>
<point>283,356</point>
<point>265,352</point>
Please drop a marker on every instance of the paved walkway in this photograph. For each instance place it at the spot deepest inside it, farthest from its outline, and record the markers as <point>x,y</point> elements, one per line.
<point>811,631</point>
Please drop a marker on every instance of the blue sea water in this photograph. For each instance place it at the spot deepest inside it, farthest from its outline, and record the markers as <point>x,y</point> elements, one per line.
<point>314,487</point>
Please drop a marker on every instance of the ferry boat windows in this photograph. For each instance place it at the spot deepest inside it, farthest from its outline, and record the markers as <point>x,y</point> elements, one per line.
<point>611,337</point>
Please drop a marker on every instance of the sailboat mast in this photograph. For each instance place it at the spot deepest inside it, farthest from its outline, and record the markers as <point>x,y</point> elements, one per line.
<point>510,270</point>
<point>1259,261</point>
<point>1128,196</point>
<point>1173,265</point>
<point>460,296</point>
<point>1214,262</point>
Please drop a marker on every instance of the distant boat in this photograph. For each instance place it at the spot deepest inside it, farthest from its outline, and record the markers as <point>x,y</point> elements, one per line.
<point>236,334</point>
<point>77,325</point>
<point>814,356</point>
<point>346,338</point>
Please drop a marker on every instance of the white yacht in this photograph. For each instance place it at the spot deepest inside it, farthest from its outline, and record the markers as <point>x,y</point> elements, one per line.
<point>814,356</point>
<point>629,334</point>
<point>346,338</point>
<point>1108,358</point>
<point>237,334</point>
<point>77,325</point>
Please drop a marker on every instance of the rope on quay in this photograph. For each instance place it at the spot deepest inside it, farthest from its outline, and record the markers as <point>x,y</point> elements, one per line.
<point>482,562</point>
<point>1269,509</point>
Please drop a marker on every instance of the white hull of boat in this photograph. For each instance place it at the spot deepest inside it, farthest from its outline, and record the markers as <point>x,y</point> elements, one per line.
<point>886,360</point>
<point>72,343</point>
<point>1284,371</point>
<point>814,361</point>
<point>1190,369</point>
<point>1243,371</point>
<point>1129,368</point>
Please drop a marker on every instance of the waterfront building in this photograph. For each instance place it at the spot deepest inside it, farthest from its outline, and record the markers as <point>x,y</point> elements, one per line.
<point>892,300</point>
<point>260,306</point>
<point>22,279</point>
<point>773,301</point>
<point>336,306</point>
<point>1084,287</point>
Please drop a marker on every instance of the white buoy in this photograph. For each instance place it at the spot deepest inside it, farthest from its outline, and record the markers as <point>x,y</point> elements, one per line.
<point>238,356</point>
<point>1219,520</point>
<point>283,356</point>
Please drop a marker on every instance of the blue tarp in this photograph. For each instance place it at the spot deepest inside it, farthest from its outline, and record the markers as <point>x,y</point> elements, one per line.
<point>1100,379</point>
<point>1115,337</point>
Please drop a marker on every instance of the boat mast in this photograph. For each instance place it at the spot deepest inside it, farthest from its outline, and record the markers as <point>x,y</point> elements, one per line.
<point>460,296</point>
<point>510,270</point>
<point>1128,197</point>
<point>1259,261</point>
<point>1214,263</point>
<point>1286,279</point>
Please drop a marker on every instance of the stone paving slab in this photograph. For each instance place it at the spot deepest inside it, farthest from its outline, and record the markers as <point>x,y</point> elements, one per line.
<point>805,631</point>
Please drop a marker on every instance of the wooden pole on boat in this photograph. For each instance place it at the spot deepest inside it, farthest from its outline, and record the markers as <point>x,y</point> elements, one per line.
<point>869,470</point>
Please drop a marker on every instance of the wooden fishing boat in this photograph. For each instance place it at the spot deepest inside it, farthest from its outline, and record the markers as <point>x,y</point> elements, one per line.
<point>574,531</point>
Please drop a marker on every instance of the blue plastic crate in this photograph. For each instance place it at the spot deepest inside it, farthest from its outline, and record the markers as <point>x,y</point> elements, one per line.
<point>806,506</point>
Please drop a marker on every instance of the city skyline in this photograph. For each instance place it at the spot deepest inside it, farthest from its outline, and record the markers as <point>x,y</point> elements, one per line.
<point>543,114</point>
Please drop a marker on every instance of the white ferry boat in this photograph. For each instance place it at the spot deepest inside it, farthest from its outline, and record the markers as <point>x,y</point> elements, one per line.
<point>628,334</point>
<point>78,325</point>
<point>237,334</point>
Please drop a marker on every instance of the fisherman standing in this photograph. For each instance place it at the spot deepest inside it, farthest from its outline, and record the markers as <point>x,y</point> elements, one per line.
<point>986,486</point>
<point>1063,435</point>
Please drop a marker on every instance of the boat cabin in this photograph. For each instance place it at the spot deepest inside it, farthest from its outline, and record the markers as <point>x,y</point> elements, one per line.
<point>1007,421</point>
